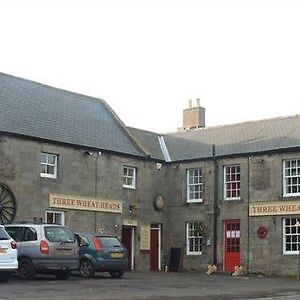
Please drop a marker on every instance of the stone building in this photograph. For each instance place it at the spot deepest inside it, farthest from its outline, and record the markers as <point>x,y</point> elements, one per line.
<point>227,195</point>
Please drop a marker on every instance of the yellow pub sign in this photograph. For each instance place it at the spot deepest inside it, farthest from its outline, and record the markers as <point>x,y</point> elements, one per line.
<point>274,208</point>
<point>85,203</point>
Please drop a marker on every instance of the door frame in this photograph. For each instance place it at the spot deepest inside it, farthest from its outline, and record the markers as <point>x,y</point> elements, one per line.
<point>157,227</point>
<point>132,237</point>
<point>224,240</point>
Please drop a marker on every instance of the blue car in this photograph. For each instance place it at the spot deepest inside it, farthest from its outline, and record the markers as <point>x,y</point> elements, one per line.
<point>101,253</point>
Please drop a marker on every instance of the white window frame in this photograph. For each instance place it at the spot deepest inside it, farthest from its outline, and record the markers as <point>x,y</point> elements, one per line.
<point>55,213</point>
<point>231,182</point>
<point>47,163</point>
<point>291,177</point>
<point>192,185</point>
<point>126,177</point>
<point>294,233</point>
<point>196,239</point>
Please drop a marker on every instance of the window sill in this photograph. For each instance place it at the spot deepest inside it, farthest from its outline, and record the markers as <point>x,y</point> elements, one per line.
<point>232,199</point>
<point>48,176</point>
<point>129,187</point>
<point>194,201</point>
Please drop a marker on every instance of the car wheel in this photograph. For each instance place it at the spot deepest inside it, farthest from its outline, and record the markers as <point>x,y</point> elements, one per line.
<point>63,275</point>
<point>116,274</point>
<point>26,269</point>
<point>87,269</point>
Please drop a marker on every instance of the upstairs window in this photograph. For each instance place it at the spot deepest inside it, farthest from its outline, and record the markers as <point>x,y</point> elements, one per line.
<point>129,177</point>
<point>194,185</point>
<point>193,238</point>
<point>48,165</point>
<point>291,177</point>
<point>232,182</point>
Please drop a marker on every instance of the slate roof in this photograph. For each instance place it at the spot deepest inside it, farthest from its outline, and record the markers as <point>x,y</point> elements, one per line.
<point>236,139</point>
<point>252,137</point>
<point>39,111</point>
<point>35,110</point>
<point>148,141</point>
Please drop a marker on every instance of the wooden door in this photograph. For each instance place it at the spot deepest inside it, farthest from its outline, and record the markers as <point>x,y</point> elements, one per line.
<point>231,245</point>
<point>154,249</point>
<point>127,242</point>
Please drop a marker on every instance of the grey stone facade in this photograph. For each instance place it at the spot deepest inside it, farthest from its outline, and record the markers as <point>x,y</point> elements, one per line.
<point>91,157</point>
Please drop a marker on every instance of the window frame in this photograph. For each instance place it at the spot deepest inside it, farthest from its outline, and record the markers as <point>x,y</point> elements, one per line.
<point>285,235</point>
<point>225,182</point>
<point>189,185</point>
<point>55,165</point>
<point>285,177</point>
<point>55,212</point>
<point>133,177</point>
<point>188,237</point>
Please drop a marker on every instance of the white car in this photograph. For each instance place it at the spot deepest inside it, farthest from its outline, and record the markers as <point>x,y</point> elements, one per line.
<point>8,255</point>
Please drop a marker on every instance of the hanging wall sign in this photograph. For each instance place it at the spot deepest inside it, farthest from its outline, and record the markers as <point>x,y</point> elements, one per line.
<point>145,237</point>
<point>274,208</point>
<point>85,203</point>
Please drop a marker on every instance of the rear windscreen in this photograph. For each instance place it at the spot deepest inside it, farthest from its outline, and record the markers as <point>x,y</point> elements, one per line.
<point>4,235</point>
<point>108,241</point>
<point>58,234</point>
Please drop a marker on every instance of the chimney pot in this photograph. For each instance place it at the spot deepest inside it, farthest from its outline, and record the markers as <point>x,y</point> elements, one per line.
<point>190,103</point>
<point>198,102</point>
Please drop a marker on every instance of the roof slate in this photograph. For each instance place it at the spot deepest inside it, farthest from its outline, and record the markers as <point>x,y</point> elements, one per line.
<point>39,111</point>
<point>36,110</point>
<point>242,138</point>
<point>148,141</point>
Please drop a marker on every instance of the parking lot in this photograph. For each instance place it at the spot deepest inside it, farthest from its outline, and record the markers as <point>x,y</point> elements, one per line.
<point>160,286</point>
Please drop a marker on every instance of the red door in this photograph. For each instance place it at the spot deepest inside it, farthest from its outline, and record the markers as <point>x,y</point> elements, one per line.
<point>154,249</point>
<point>127,242</point>
<point>231,245</point>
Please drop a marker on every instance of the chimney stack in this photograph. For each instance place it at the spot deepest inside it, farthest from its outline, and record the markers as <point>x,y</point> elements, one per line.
<point>193,117</point>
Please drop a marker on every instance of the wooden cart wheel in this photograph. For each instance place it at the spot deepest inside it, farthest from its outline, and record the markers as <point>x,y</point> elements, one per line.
<point>8,205</point>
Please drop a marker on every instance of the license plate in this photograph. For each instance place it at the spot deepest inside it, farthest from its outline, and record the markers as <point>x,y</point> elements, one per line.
<point>117,255</point>
<point>3,250</point>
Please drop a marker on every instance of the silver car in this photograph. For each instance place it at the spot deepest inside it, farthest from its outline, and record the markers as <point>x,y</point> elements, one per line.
<point>8,255</point>
<point>45,249</point>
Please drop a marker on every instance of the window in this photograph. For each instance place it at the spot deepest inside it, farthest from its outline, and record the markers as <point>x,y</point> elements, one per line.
<point>291,177</point>
<point>3,235</point>
<point>291,236</point>
<point>30,234</point>
<point>58,234</point>
<point>129,177</point>
<point>48,165</point>
<point>194,185</point>
<point>55,217</point>
<point>232,182</point>
<point>193,238</point>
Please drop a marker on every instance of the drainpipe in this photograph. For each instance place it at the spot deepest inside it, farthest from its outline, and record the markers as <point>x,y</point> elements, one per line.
<point>96,190</point>
<point>248,218</point>
<point>216,208</point>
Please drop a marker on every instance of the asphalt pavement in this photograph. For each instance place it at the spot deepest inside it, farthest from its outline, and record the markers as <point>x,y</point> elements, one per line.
<point>152,285</point>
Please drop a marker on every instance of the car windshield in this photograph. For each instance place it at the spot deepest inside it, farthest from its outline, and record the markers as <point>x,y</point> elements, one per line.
<point>3,234</point>
<point>108,241</point>
<point>58,234</point>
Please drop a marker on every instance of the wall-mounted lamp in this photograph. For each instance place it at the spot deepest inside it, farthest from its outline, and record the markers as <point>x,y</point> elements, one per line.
<point>88,153</point>
<point>158,166</point>
<point>133,208</point>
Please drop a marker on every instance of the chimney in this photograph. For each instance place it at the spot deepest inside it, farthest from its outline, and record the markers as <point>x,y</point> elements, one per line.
<point>193,117</point>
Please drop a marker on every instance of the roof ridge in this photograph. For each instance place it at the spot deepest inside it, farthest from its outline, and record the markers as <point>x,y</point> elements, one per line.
<point>144,130</point>
<point>236,124</point>
<point>52,87</point>
<point>124,128</point>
